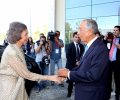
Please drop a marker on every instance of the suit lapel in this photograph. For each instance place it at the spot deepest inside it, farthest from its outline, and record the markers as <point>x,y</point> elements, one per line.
<point>74,48</point>
<point>90,49</point>
<point>86,54</point>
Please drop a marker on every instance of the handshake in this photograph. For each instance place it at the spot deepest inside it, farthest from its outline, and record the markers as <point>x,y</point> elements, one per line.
<point>62,74</point>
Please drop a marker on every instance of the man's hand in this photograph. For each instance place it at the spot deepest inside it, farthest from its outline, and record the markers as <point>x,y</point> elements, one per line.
<point>56,39</point>
<point>58,42</point>
<point>41,42</point>
<point>117,45</point>
<point>63,72</point>
<point>78,63</point>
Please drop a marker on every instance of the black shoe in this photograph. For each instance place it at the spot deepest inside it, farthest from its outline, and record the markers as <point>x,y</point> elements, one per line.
<point>39,89</point>
<point>52,83</point>
<point>117,97</point>
<point>62,85</point>
<point>69,95</point>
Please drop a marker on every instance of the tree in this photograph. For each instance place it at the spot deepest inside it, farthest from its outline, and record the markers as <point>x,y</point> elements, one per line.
<point>68,31</point>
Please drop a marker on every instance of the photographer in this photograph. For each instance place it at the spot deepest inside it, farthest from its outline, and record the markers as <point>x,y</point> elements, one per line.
<point>29,48</point>
<point>55,55</point>
<point>42,51</point>
<point>108,39</point>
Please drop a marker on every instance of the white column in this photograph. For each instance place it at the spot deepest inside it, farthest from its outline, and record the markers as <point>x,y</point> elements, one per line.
<point>51,24</point>
<point>60,21</point>
<point>60,17</point>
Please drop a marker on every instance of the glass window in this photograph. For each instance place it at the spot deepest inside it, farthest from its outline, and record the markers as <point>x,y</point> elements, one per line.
<point>81,12</point>
<point>103,1</point>
<point>105,12</point>
<point>76,3</point>
<point>106,9</point>
<point>74,24</point>
<point>107,23</point>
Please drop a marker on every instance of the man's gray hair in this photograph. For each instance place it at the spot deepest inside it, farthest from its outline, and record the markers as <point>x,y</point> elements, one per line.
<point>91,24</point>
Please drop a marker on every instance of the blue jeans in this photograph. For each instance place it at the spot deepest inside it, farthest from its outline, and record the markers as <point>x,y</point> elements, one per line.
<point>52,65</point>
<point>45,69</point>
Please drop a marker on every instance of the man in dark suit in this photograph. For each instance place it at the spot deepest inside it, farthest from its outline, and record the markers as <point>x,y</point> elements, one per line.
<point>114,56</point>
<point>73,54</point>
<point>91,76</point>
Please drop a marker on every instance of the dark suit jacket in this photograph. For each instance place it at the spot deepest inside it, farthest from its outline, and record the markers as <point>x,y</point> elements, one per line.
<point>71,55</point>
<point>91,76</point>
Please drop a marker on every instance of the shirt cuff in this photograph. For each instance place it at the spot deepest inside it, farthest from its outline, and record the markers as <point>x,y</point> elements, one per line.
<point>69,75</point>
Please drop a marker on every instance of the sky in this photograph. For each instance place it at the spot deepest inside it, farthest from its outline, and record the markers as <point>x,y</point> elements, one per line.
<point>36,14</point>
<point>39,14</point>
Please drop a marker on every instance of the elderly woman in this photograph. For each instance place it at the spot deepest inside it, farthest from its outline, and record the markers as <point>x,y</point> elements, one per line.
<point>13,68</point>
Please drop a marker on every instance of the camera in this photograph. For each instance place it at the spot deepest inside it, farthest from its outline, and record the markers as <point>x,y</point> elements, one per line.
<point>44,42</point>
<point>51,35</point>
<point>46,60</point>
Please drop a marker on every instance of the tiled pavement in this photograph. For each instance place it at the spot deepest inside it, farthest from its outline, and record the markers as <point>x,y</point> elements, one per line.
<point>53,93</point>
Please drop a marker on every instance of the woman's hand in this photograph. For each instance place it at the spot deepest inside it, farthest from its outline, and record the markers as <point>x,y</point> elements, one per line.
<point>56,79</point>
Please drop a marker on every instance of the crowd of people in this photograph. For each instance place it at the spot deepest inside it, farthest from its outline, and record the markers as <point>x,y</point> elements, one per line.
<point>91,61</point>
